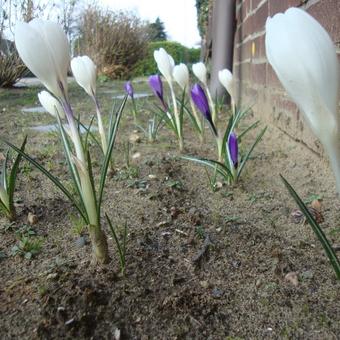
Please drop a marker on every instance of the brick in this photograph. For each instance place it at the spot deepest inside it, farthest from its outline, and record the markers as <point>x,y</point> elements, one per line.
<point>259,18</point>
<point>327,12</point>
<point>276,6</point>
<point>244,72</point>
<point>246,27</point>
<point>258,74</point>
<point>255,4</point>
<point>257,47</point>
<point>272,79</point>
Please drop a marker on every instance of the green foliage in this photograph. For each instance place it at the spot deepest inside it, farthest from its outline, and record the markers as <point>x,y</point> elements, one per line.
<point>202,15</point>
<point>180,53</point>
<point>333,259</point>
<point>157,30</point>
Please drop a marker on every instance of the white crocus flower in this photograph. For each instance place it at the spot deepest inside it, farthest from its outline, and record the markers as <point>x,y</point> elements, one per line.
<point>51,104</point>
<point>181,75</point>
<point>84,71</point>
<point>200,71</point>
<point>43,47</point>
<point>165,63</point>
<point>304,59</point>
<point>226,79</point>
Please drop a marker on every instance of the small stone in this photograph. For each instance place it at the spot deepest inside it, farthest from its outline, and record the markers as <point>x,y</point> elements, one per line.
<point>134,138</point>
<point>52,276</point>
<point>136,155</point>
<point>117,334</point>
<point>217,293</point>
<point>69,322</point>
<point>219,185</point>
<point>219,229</point>
<point>292,278</point>
<point>32,219</point>
<point>152,177</point>
<point>308,274</point>
<point>205,284</point>
<point>80,242</point>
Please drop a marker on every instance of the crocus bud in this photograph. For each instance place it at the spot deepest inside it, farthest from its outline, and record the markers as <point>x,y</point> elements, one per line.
<point>181,75</point>
<point>200,99</point>
<point>304,59</point>
<point>84,72</point>
<point>43,47</point>
<point>233,149</point>
<point>226,79</point>
<point>156,85</point>
<point>129,88</point>
<point>165,63</point>
<point>200,71</point>
<point>51,104</point>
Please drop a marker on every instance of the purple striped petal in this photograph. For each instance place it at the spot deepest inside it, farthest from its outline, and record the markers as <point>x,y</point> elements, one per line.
<point>155,82</point>
<point>233,148</point>
<point>200,99</point>
<point>129,88</point>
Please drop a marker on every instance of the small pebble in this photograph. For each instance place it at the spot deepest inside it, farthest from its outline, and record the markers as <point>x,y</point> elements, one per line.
<point>205,284</point>
<point>52,276</point>
<point>152,177</point>
<point>32,219</point>
<point>134,138</point>
<point>136,155</point>
<point>217,293</point>
<point>292,277</point>
<point>80,242</point>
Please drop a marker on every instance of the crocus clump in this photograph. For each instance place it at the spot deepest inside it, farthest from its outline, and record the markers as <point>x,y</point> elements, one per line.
<point>304,58</point>
<point>43,47</point>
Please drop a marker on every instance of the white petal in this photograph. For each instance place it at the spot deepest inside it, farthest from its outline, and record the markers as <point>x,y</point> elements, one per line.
<point>181,75</point>
<point>51,104</point>
<point>226,79</point>
<point>165,63</point>
<point>84,71</point>
<point>200,71</point>
<point>43,47</point>
<point>304,58</point>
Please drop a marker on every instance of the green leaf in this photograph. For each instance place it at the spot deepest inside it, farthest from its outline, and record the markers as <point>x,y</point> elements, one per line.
<point>121,247</point>
<point>105,166</point>
<point>316,228</point>
<point>55,180</point>
<point>246,130</point>
<point>246,157</point>
<point>13,176</point>
<point>219,167</point>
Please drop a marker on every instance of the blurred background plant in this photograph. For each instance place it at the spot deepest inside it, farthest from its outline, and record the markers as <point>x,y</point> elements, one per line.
<point>116,41</point>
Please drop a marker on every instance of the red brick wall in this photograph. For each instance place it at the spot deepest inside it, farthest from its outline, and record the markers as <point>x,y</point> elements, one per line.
<point>257,83</point>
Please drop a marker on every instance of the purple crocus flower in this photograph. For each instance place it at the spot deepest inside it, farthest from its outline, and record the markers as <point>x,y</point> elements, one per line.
<point>129,88</point>
<point>155,82</point>
<point>200,99</point>
<point>233,148</point>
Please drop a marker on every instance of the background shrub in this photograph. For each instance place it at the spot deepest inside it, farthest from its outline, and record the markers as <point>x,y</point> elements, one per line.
<point>11,66</point>
<point>116,41</point>
<point>180,53</point>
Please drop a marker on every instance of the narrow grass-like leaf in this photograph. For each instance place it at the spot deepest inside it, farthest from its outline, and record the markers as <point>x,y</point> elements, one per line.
<point>71,165</point>
<point>13,175</point>
<point>121,247</point>
<point>3,176</point>
<point>246,130</point>
<point>246,157</point>
<point>106,162</point>
<point>219,167</point>
<point>316,228</point>
<point>55,180</point>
